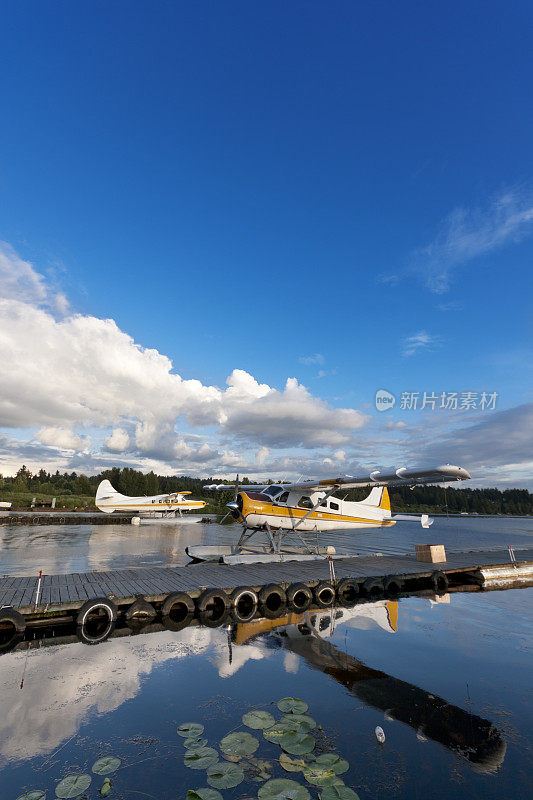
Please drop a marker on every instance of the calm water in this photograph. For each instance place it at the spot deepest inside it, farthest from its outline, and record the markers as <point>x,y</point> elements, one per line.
<point>449,681</point>
<point>25,549</point>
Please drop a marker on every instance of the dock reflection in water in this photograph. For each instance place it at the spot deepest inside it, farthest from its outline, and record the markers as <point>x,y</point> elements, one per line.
<point>110,674</point>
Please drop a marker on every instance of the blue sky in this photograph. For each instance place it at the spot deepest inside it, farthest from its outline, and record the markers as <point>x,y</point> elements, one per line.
<point>340,194</point>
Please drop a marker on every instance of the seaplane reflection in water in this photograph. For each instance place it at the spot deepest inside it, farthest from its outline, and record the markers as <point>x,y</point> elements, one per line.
<point>294,509</point>
<point>156,509</point>
<point>306,636</point>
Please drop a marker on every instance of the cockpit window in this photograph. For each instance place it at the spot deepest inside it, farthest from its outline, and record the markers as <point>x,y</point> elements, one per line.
<point>305,502</point>
<point>283,498</point>
<point>272,490</point>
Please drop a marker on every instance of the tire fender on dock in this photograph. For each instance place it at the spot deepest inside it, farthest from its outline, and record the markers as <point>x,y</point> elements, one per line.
<point>140,611</point>
<point>373,588</point>
<point>177,611</point>
<point>12,627</point>
<point>213,607</point>
<point>348,592</point>
<point>392,585</point>
<point>440,581</point>
<point>272,600</point>
<point>244,603</point>
<point>299,597</point>
<point>324,594</point>
<point>96,620</point>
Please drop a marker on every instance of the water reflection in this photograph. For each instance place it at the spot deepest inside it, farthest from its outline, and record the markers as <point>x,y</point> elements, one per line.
<point>65,681</point>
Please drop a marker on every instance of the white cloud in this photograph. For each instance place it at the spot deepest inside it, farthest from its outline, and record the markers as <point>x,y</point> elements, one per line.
<point>419,341</point>
<point>63,438</point>
<point>317,358</point>
<point>467,234</point>
<point>118,442</point>
<point>262,455</point>
<point>62,373</point>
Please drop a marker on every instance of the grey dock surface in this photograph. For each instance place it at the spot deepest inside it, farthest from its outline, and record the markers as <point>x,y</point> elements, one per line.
<point>69,592</point>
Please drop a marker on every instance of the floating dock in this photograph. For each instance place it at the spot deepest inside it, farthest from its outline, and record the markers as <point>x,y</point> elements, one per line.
<point>56,594</point>
<point>63,517</point>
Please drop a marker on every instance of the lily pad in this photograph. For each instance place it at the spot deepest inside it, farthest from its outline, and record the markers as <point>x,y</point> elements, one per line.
<point>297,743</point>
<point>256,769</point>
<point>106,788</point>
<point>240,743</point>
<point>203,794</point>
<point>292,705</point>
<point>283,789</point>
<point>225,776</point>
<point>292,764</point>
<point>72,786</point>
<point>333,761</point>
<point>106,765</point>
<point>303,721</point>
<point>320,775</point>
<point>279,729</point>
<point>200,759</point>
<point>194,744</point>
<point>34,794</point>
<point>258,719</point>
<point>190,730</point>
<point>338,792</point>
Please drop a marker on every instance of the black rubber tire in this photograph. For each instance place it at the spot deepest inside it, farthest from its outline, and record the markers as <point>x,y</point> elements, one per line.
<point>84,626</point>
<point>177,611</point>
<point>324,593</point>
<point>213,607</point>
<point>373,588</point>
<point>244,603</point>
<point>348,592</point>
<point>140,611</point>
<point>393,586</point>
<point>272,601</point>
<point>12,627</point>
<point>299,597</point>
<point>440,581</point>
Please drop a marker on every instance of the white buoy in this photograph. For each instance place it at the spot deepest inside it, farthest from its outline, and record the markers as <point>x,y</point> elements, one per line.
<point>380,735</point>
<point>135,520</point>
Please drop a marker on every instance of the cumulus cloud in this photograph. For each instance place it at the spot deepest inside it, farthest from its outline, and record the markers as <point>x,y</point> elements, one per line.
<point>467,234</point>
<point>63,438</point>
<point>60,373</point>
<point>317,358</point>
<point>118,441</point>
<point>422,340</point>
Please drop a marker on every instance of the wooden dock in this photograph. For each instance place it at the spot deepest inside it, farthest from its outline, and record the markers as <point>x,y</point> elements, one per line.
<point>63,517</point>
<point>67,593</point>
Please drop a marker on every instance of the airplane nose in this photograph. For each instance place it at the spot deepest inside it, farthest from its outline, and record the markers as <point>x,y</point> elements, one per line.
<point>234,509</point>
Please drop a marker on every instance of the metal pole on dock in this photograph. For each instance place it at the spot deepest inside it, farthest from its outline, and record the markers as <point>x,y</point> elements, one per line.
<point>38,590</point>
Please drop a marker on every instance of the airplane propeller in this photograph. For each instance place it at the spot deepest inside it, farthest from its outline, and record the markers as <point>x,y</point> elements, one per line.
<point>232,505</point>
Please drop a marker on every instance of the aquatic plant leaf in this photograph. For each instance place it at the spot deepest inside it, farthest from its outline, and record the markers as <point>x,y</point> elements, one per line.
<point>320,775</point>
<point>106,765</point>
<point>203,794</point>
<point>190,730</point>
<point>72,786</point>
<point>200,759</point>
<point>338,792</point>
<point>240,743</point>
<point>106,788</point>
<point>297,743</point>
<point>34,794</point>
<point>291,764</point>
<point>279,729</point>
<point>303,722</point>
<point>292,705</point>
<point>233,759</point>
<point>258,719</point>
<point>333,761</point>
<point>225,776</point>
<point>283,789</point>
<point>256,769</point>
<point>194,744</point>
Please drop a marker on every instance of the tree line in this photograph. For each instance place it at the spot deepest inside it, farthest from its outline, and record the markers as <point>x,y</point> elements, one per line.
<point>435,499</point>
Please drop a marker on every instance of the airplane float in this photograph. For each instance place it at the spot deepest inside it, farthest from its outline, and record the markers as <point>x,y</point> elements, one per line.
<point>157,508</point>
<point>310,507</point>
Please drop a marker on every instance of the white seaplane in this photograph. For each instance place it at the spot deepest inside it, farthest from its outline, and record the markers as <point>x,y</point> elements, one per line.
<point>156,509</point>
<point>278,510</point>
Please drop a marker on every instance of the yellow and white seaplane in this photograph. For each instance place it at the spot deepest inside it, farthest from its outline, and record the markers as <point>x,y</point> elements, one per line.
<point>278,510</point>
<point>156,509</point>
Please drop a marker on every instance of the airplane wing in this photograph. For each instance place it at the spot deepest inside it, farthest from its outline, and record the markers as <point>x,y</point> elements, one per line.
<point>400,477</point>
<point>229,487</point>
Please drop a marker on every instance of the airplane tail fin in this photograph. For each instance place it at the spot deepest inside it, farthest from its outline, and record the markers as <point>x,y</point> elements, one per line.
<point>378,498</point>
<point>105,494</point>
